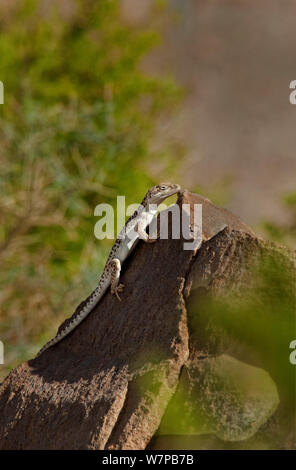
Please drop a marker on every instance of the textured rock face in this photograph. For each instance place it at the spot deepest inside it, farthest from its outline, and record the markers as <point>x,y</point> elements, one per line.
<point>222,396</point>
<point>111,383</point>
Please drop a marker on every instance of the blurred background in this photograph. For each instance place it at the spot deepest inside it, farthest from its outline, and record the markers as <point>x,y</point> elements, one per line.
<point>108,98</point>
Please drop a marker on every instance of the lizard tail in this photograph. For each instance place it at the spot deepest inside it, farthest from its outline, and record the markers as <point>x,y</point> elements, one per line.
<point>64,332</point>
<point>81,315</point>
<point>72,325</point>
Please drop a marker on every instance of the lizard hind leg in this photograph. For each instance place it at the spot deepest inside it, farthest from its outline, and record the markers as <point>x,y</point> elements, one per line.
<point>116,287</point>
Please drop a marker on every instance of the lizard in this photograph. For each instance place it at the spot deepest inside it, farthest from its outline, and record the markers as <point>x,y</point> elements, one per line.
<point>133,231</point>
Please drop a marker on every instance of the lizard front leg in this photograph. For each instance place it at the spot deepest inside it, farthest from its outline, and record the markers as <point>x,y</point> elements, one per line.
<point>115,267</point>
<point>141,231</point>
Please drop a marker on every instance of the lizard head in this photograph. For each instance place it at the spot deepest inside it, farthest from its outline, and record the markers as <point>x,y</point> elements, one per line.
<point>161,191</point>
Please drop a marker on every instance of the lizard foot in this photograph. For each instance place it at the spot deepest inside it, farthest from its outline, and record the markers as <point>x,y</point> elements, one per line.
<point>116,290</point>
<point>151,240</point>
<point>154,237</point>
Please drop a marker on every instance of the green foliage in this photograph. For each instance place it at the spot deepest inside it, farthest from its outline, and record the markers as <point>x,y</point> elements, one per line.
<point>290,200</point>
<point>75,131</point>
<point>253,321</point>
<point>261,318</point>
<point>285,234</point>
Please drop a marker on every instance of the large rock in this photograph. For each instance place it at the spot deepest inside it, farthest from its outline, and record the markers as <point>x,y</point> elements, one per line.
<point>223,396</point>
<point>109,383</point>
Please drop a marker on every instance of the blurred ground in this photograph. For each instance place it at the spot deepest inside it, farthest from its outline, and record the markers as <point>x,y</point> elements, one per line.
<point>236,59</point>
